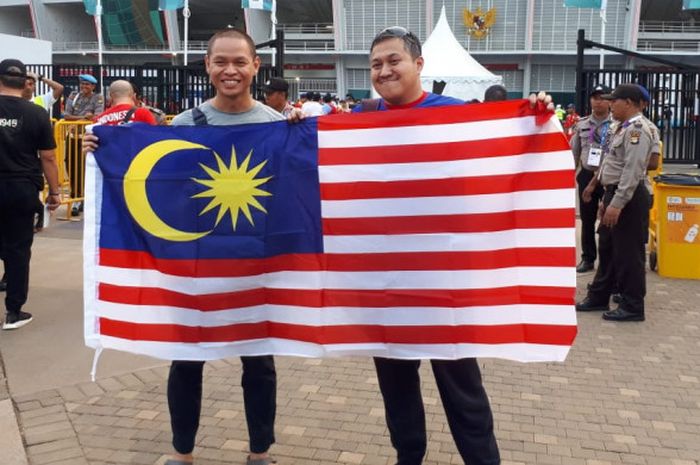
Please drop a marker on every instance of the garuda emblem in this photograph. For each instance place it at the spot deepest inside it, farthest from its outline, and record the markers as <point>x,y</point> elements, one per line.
<point>479,23</point>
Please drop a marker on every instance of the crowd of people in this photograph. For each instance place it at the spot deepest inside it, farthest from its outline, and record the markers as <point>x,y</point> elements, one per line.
<point>613,148</point>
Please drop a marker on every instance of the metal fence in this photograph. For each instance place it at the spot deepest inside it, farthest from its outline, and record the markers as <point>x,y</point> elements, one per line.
<point>674,89</point>
<point>674,106</point>
<point>169,88</point>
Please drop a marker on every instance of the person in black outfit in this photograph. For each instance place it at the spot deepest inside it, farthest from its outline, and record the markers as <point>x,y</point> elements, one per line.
<point>25,129</point>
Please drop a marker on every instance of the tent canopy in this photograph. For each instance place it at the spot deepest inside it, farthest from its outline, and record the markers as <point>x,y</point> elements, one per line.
<point>446,60</point>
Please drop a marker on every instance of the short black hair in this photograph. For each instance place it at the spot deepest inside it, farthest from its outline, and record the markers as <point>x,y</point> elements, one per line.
<point>495,93</point>
<point>13,82</point>
<point>410,42</point>
<point>236,34</point>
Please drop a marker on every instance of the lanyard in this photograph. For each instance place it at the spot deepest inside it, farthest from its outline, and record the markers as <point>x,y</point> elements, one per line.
<point>603,134</point>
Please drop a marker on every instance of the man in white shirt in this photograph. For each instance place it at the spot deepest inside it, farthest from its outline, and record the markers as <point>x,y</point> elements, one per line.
<point>44,100</point>
<point>312,107</point>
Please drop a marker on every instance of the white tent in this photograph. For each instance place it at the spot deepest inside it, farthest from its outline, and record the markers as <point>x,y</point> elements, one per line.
<point>446,60</point>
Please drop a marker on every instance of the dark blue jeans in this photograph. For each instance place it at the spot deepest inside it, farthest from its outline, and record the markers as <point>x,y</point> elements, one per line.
<point>259,382</point>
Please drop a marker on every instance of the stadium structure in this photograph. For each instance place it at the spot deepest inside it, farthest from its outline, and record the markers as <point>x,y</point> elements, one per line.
<point>530,43</point>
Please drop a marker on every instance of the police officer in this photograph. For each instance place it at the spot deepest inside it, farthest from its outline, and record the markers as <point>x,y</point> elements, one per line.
<point>625,207</point>
<point>590,136</point>
<point>84,104</point>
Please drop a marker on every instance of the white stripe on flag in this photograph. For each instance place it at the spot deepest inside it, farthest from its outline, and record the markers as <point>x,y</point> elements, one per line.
<point>494,166</point>
<point>361,280</point>
<point>434,133</point>
<point>452,242</point>
<point>296,315</point>
<point>450,205</point>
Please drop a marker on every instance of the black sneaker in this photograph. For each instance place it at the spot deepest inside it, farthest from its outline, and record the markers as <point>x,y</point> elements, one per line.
<point>16,320</point>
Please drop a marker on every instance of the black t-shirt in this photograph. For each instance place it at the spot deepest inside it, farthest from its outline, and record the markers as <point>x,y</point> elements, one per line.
<point>25,128</point>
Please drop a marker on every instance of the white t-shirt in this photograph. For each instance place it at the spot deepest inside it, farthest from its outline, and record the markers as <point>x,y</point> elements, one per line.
<point>312,108</point>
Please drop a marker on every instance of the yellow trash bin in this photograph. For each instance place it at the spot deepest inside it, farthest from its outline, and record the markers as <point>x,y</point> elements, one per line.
<point>678,225</point>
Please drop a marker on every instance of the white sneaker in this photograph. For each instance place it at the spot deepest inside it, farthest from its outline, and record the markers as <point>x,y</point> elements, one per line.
<point>16,320</point>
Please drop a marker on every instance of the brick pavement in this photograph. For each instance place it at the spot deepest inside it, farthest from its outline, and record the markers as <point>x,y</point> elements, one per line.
<point>627,394</point>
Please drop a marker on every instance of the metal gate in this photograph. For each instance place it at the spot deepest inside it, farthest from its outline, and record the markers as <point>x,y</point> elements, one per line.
<point>674,89</point>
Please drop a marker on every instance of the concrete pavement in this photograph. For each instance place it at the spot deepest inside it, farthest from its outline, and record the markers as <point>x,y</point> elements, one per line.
<point>627,394</point>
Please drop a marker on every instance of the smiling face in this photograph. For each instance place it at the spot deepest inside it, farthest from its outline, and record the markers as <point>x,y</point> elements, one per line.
<point>231,66</point>
<point>86,88</point>
<point>395,74</point>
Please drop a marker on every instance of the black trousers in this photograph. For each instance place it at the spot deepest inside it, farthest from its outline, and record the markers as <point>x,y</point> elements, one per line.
<point>18,199</point>
<point>622,254</point>
<point>463,396</point>
<point>589,213</point>
<point>259,382</point>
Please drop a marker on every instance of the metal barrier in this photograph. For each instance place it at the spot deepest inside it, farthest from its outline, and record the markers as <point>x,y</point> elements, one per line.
<point>70,161</point>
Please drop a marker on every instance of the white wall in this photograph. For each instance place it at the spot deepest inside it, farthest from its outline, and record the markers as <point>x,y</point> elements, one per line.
<point>29,51</point>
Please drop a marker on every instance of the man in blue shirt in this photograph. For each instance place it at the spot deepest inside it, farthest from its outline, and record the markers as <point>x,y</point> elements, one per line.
<point>396,63</point>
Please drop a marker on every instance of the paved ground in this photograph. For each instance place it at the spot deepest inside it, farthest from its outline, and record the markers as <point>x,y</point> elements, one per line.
<point>627,394</point>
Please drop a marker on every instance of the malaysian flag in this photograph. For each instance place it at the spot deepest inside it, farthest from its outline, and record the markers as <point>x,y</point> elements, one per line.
<point>441,232</point>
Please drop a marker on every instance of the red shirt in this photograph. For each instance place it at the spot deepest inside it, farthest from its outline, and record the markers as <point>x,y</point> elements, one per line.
<point>117,113</point>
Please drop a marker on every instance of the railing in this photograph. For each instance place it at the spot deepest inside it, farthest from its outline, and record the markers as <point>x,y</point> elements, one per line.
<point>307,28</point>
<point>192,46</point>
<point>669,27</point>
<point>650,45</point>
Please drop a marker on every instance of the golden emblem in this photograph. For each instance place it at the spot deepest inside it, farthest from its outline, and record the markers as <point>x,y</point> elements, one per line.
<point>479,23</point>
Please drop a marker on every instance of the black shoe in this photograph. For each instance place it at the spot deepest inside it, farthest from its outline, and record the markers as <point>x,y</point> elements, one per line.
<point>75,211</point>
<point>587,305</point>
<point>620,314</point>
<point>584,266</point>
<point>617,298</point>
<point>16,320</point>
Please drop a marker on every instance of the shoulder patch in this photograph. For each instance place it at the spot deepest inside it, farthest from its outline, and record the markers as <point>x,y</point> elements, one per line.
<point>634,136</point>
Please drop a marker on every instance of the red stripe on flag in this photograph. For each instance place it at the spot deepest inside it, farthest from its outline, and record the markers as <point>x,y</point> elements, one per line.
<point>507,183</point>
<point>446,298</point>
<point>468,223</point>
<point>448,151</point>
<point>428,116</point>
<point>343,334</point>
<point>466,260</point>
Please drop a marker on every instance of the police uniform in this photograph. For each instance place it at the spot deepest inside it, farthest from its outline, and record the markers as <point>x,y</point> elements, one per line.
<point>588,142</point>
<point>81,105</point>
<point>621,247</point>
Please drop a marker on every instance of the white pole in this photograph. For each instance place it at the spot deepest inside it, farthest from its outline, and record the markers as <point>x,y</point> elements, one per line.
<point>602,40</point>
<point>98,19</point>
<point>186,13</point>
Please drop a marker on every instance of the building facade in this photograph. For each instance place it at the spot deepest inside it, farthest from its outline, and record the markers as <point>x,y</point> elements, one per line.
<point>530,43</point>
